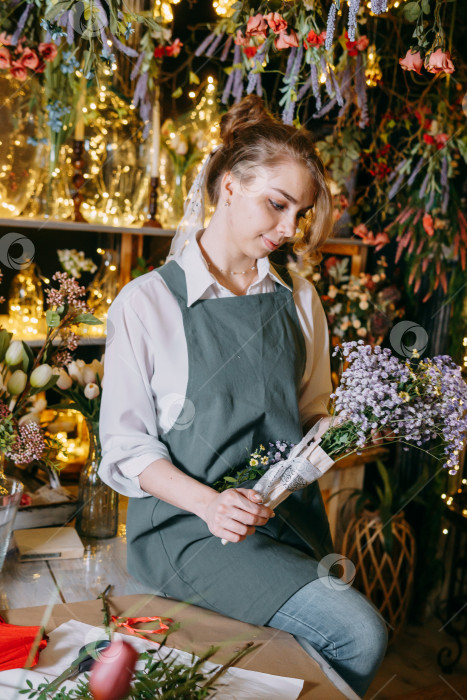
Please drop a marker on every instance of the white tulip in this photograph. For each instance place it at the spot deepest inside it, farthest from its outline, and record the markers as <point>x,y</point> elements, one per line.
<point>91,391</point>
<point>17,382</point>
<point>64,380</point>
<point>89,374</point>
<point>76,372</point>
<point>41,376</point>
<point>31,417</point>
<point>98,367</point>
<point>14,354</point>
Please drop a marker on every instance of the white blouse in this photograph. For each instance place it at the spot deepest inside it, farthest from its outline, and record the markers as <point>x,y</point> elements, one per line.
<point>146,363</point>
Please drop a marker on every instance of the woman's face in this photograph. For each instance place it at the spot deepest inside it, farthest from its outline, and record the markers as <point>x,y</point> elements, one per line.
<point>266,206</point>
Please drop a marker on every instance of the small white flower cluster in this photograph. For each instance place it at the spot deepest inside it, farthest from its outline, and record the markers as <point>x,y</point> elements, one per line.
<point>74,262</point>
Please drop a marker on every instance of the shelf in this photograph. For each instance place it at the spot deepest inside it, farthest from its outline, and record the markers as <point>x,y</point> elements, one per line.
<point>54,225</point>
<point>82,341</point>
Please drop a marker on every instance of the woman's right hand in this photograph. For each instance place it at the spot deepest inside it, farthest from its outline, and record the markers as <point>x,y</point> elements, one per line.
<point>233,514</point>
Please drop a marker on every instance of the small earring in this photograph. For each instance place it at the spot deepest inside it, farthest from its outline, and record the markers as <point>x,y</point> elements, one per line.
<point>227,204</point>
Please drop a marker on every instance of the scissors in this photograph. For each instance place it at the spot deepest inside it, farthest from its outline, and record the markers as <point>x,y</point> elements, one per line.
<point>87,656</point>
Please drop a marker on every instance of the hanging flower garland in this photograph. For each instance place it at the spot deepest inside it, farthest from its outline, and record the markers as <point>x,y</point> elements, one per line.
<point>418,194</point>
<point>258,36</point>
<point>430,51</point>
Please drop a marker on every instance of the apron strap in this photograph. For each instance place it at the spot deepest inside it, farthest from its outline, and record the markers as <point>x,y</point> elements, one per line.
<point>174,277</point>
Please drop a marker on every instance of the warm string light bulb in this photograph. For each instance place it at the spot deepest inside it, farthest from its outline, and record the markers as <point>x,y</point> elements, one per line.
<point>223,7</point>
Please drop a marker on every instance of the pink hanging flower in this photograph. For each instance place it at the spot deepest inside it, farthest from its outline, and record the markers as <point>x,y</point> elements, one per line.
<point>362,43</point>
<point>256,26</point>
<point>362,231</point>
<point>411,61</point>
<point>241,40</point>
<point>276,22</point>
<point>286,41</point>
<point>5,61</point>
<point>47,51</point>
<point>427,223</point>
<point>441,140</point>
<point>174,49</point>
<point>250,51</point>
<point>381,239</point>
<point>439,62</point>
<point>314,39</point>
<point>18,71</point>
<point>29,59</point>
<point>5,39</point>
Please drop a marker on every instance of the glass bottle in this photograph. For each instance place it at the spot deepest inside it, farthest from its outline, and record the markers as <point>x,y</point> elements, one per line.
<point>97,503</point>
<point>26,305</point>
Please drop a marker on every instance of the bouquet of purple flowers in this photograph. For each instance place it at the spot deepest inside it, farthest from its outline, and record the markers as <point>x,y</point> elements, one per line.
<point>416,401</point>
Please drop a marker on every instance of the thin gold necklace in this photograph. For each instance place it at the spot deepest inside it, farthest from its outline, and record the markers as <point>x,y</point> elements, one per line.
<point>244,272</point>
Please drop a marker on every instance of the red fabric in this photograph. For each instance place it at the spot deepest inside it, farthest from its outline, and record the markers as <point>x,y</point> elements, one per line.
<point>16,643</point>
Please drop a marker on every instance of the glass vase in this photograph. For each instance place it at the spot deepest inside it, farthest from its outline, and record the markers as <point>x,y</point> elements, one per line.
<point>19,142</point>
<point>101,292</point>
<point>11,491</point>
<point>97,503</point>
<point>26,305</point>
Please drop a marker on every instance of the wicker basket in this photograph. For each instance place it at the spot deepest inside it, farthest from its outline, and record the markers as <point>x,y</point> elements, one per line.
<point>386,579</point>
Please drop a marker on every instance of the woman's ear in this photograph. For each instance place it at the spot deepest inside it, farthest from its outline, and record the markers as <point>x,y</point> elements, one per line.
<point>227,186</point>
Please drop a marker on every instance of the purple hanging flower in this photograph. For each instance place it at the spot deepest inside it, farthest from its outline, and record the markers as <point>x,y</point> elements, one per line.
<point>204,44</point>
<point>337,90</point>
<point>421,194</point>
<point>415,171</point>
<point>327,108</point>
<point>330,27</point>
<point>21,22</point>
<point>304,89</point>
<point>444,172</point>
<point>226,49</point>
<point>398,167</point>
<point>127,50</point>
<point>140,88</point>
<point>431,198</point>
<point>395,188</point>
<point>445,202</point>
<point>360,87</point>
<point>227,88</point>
<point>379,6</point>
<point>238,79</point>
<point>214,45</point>
<point>315,86</point>
<point>354,6</point>
<point>137,66</point>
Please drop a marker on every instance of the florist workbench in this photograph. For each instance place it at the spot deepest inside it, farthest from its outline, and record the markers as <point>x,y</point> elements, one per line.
<point>57,588</point>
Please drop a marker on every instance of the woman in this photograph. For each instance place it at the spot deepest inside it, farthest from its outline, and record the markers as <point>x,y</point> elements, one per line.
<point>211,355</point>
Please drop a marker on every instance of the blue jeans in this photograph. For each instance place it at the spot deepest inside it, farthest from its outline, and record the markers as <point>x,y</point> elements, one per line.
<point>341,624</point>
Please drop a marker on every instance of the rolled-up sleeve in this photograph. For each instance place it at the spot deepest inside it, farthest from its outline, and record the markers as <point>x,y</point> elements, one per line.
<point>316,386</point>
<point>127,421</point>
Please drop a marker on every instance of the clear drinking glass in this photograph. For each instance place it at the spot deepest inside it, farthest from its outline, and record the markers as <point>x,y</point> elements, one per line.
<point>11,491</point>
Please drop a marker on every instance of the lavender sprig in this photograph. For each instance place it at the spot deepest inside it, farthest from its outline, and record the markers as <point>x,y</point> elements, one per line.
<point>330,27</point>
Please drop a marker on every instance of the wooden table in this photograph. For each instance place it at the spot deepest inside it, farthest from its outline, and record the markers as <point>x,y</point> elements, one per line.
<point>275,652</point>
<point>61,586</point>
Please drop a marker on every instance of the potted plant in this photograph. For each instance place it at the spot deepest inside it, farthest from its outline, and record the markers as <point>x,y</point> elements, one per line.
<point>381,544</point>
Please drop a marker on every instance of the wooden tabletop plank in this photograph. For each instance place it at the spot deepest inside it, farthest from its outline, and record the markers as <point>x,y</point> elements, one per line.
<point>28,582</point>
<point>103,563</point>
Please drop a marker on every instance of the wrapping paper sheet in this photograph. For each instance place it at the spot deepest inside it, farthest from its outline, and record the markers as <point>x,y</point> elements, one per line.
<point>66,640</point>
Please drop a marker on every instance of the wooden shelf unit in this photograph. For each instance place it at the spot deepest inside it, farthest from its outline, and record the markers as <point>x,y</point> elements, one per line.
<point>132,239</point>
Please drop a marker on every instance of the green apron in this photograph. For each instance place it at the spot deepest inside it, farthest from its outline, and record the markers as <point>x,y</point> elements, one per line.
<point>246,358</point>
